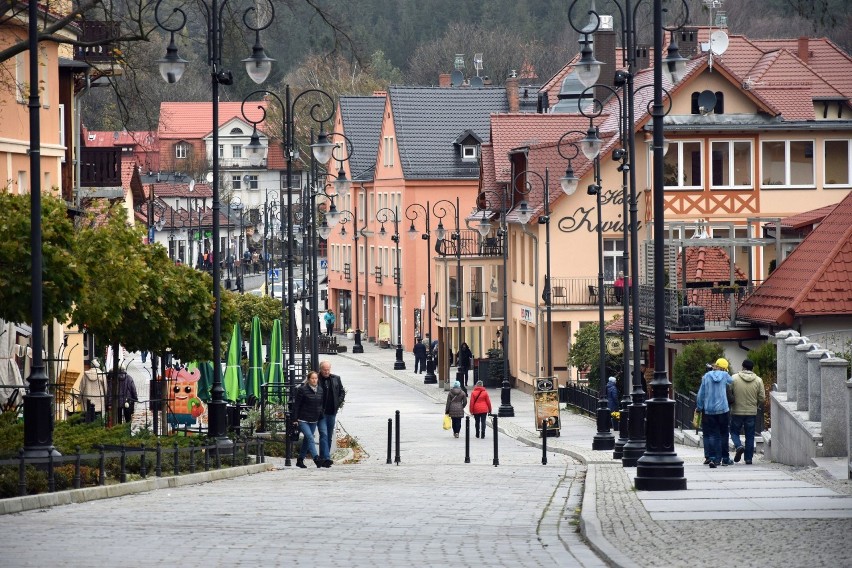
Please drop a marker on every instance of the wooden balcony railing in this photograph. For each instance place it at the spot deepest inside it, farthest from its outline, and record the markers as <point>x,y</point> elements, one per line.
<point>100,167</point>
<point>98,32</point>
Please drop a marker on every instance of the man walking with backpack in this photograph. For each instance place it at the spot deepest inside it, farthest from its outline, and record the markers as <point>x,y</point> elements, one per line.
<point>748,395</point>
<point>712,401</point>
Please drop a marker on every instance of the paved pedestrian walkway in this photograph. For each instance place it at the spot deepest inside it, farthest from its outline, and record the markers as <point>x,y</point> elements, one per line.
<point>762,515</point>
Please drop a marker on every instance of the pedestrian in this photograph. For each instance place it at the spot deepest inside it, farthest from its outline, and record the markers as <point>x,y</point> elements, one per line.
<point>456,401</point>
<point>255,262</point>
<point>464,358</point>
<point>329,318</point>
<point>419,356</point>
<point>618,287</point>
<point>127,397</point>
<point>712,402</point>
<point>332,399</point>
<point>144,355</point>
<point>480,407</point>
<point>612,394</point>
<point>748,394</point>
<point>307,412</point>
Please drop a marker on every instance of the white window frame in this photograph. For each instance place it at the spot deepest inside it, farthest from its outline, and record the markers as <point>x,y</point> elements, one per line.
<point>62,128</point>
<point>236,151</point>
<point>825,182</point>
<point>181,150</point>
<point>21,77</point>
<point>44,77</point>
<point>387,152</point>
<point>677,147</point>
<point>611,257</point>
<point>469,152</point>
<point>236,182</point>
<point>252,181</point>
<point>221,151</point>
<point>787,184</point>
<point>731,163</point>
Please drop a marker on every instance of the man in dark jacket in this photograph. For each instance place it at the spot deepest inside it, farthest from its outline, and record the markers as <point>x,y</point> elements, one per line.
<point>333,397</point>
<point>127,397</point>
<point>419,357</point>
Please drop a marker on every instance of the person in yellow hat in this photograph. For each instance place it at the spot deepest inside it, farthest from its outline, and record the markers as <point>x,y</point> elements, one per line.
<point>712,402</point>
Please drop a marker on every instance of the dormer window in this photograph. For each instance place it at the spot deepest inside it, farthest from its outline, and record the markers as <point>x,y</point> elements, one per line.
<point>468,144</point>
<point>236,131</point>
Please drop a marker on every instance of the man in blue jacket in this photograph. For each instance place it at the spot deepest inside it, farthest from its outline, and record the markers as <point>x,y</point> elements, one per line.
<point>712,401</point>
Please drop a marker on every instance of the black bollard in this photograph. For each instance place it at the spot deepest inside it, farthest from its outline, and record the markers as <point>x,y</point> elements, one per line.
<point>390,438</point>
<point>467,439</point>
<point>287,442</point>
<point>496,460</point>
<point>396,456</point>
<point>544,442</point>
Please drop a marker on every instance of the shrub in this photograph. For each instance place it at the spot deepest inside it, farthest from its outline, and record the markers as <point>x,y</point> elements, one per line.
<point>691,364</point>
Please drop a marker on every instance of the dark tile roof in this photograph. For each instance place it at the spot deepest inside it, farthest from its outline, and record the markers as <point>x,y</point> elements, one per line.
<point>429,119</point>
<point>815,280</point>
<point>362,124</point>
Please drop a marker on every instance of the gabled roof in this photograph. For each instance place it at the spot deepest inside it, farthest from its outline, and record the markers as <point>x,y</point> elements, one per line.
<point>362,124</point>
<point>509,131</point>
<point>113,138</point>
<point>808,218</point>
<point>195,120</point>
<point>165,189</point>
<point>824,58</point>
<point>428,119</point>
<point>707,263</point>
<point>815,280</point>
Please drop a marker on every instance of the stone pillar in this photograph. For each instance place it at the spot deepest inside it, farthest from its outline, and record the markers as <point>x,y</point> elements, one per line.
<point>800,372</point>
<point>815,383</point>
<point>781,357</point>
<point>835,422</point>
<point>792,380</point>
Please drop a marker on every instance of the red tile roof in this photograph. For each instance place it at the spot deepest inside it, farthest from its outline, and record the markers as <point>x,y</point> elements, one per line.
<point>708,264</point>
<point>488,181</point>
<point>824,58</point>
<point>195,120</point>
<point>110,138</point>
<point>201,190</point>
<point>815,280</point>
<point>807,218</point>
<point>515,130</point>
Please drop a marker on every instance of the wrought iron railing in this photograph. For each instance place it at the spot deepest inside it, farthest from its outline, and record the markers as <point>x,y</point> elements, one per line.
<point>582,398</point>
<point>582,291</point>
<point>472,244</point>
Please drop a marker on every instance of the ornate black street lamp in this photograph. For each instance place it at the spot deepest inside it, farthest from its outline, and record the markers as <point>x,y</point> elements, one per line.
<point>322,152</point>
<point>258,66</point>
<point>440,210</point>
<point>324,232</point>
<point>385,215</point>
<point>412,213</point>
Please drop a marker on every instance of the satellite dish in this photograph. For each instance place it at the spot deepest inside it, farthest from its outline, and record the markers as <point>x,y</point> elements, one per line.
<point>209,177</point>
<point>706,101</point>
<point>718,42</point>
<point>476,82</point>
<point>456,78</point>
<point>191,185</point>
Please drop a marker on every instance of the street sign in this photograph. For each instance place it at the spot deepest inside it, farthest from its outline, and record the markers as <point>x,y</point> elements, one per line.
<point>150,235</point>
<point>323,264</point>
<point>275,274</point>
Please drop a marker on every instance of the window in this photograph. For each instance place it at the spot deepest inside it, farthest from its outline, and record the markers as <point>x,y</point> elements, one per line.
<point>453,292</point>
<point>387,152</point>
<point>62,128</point>
<point>221,150</point>
<point>613,258</point>
<point>730,164</point>
<point>22,182</point>
<point>44,70</point>
<point>236,131</point>
<point>469,153</point>
<point>236,182</point>
<point>21,77</point>
<point>251,182</point>
<point>787,163</point>
<point>837,161</point>
<point>236,151</point>
<point>181,150</point>
<point>682,165</point>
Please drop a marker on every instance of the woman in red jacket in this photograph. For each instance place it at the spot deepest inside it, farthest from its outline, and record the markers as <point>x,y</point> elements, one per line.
<point>480,406</point>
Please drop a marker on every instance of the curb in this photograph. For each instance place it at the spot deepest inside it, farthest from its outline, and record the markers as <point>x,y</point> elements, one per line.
<point>46,500</point>
<point>590,525</point>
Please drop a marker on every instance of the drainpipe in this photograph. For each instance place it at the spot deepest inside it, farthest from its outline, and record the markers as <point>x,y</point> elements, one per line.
<point>537,305</point>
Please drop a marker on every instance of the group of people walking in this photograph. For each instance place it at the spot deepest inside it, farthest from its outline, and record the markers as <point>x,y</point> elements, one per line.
<point>728,405</point>
<point>480,407</point>
<point>316,403</point>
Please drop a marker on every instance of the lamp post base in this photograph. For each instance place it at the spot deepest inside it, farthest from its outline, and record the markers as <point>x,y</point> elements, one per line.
<point>357,348</point>
<point>217,425</point>
<point>38,425</point>
<point>604,439</point>
<point>623,432</point>
<point>635,446</point>
<point>430,378</point>
<point>399,364</point>
<point>660,469</point>
<point>506,409</point>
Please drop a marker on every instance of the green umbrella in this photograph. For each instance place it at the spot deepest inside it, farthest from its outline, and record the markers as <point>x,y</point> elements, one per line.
<point>255,371</point>
<point>205,368</point>
<point>235,388</point>
<point>275,372</point>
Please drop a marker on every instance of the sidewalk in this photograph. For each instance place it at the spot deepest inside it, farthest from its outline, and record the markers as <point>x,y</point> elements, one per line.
<point>770,514</point>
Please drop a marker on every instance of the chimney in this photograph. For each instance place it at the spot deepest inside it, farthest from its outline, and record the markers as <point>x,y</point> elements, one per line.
<point>444,80</point>
<point>688,42</point>
<point>803,52</point>
<point>605,53</point>
<point>512,94</point>
<point>643,57</point>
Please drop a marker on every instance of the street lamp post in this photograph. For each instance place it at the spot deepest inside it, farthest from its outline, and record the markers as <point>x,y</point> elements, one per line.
<point>324,231</point>
<point>258,66</point>
<point>440,210</point>
<point>385,215</point>
<point>412,213</point>
<point>322,151</point>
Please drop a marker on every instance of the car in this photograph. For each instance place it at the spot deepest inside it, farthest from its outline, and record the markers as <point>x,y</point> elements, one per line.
<point>298,288</point>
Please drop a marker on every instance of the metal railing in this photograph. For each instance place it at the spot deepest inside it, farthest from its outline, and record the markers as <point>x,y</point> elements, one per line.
<point>582,291</point>
<point>472,244</point>
<point>582,398</point>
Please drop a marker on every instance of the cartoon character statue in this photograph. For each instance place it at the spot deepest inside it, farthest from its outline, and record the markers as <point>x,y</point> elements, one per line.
<point>184,405</point>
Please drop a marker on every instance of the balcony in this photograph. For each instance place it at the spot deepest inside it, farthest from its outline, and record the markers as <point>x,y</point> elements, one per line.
<point>582,291</point>
<point>100,172</point>
<point>694,309</point>
<point>98,32</point>
<point>472,244</point>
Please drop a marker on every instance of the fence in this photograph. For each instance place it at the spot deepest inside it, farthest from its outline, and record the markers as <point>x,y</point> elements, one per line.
<point>583,399</point>
<point>116,463</point>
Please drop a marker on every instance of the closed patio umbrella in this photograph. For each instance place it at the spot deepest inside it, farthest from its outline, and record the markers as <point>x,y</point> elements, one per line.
<point>205,369</point>
<point>10,375</point>
<point>255,371</point>
<point>275,372</point>
<point>235,387</point>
